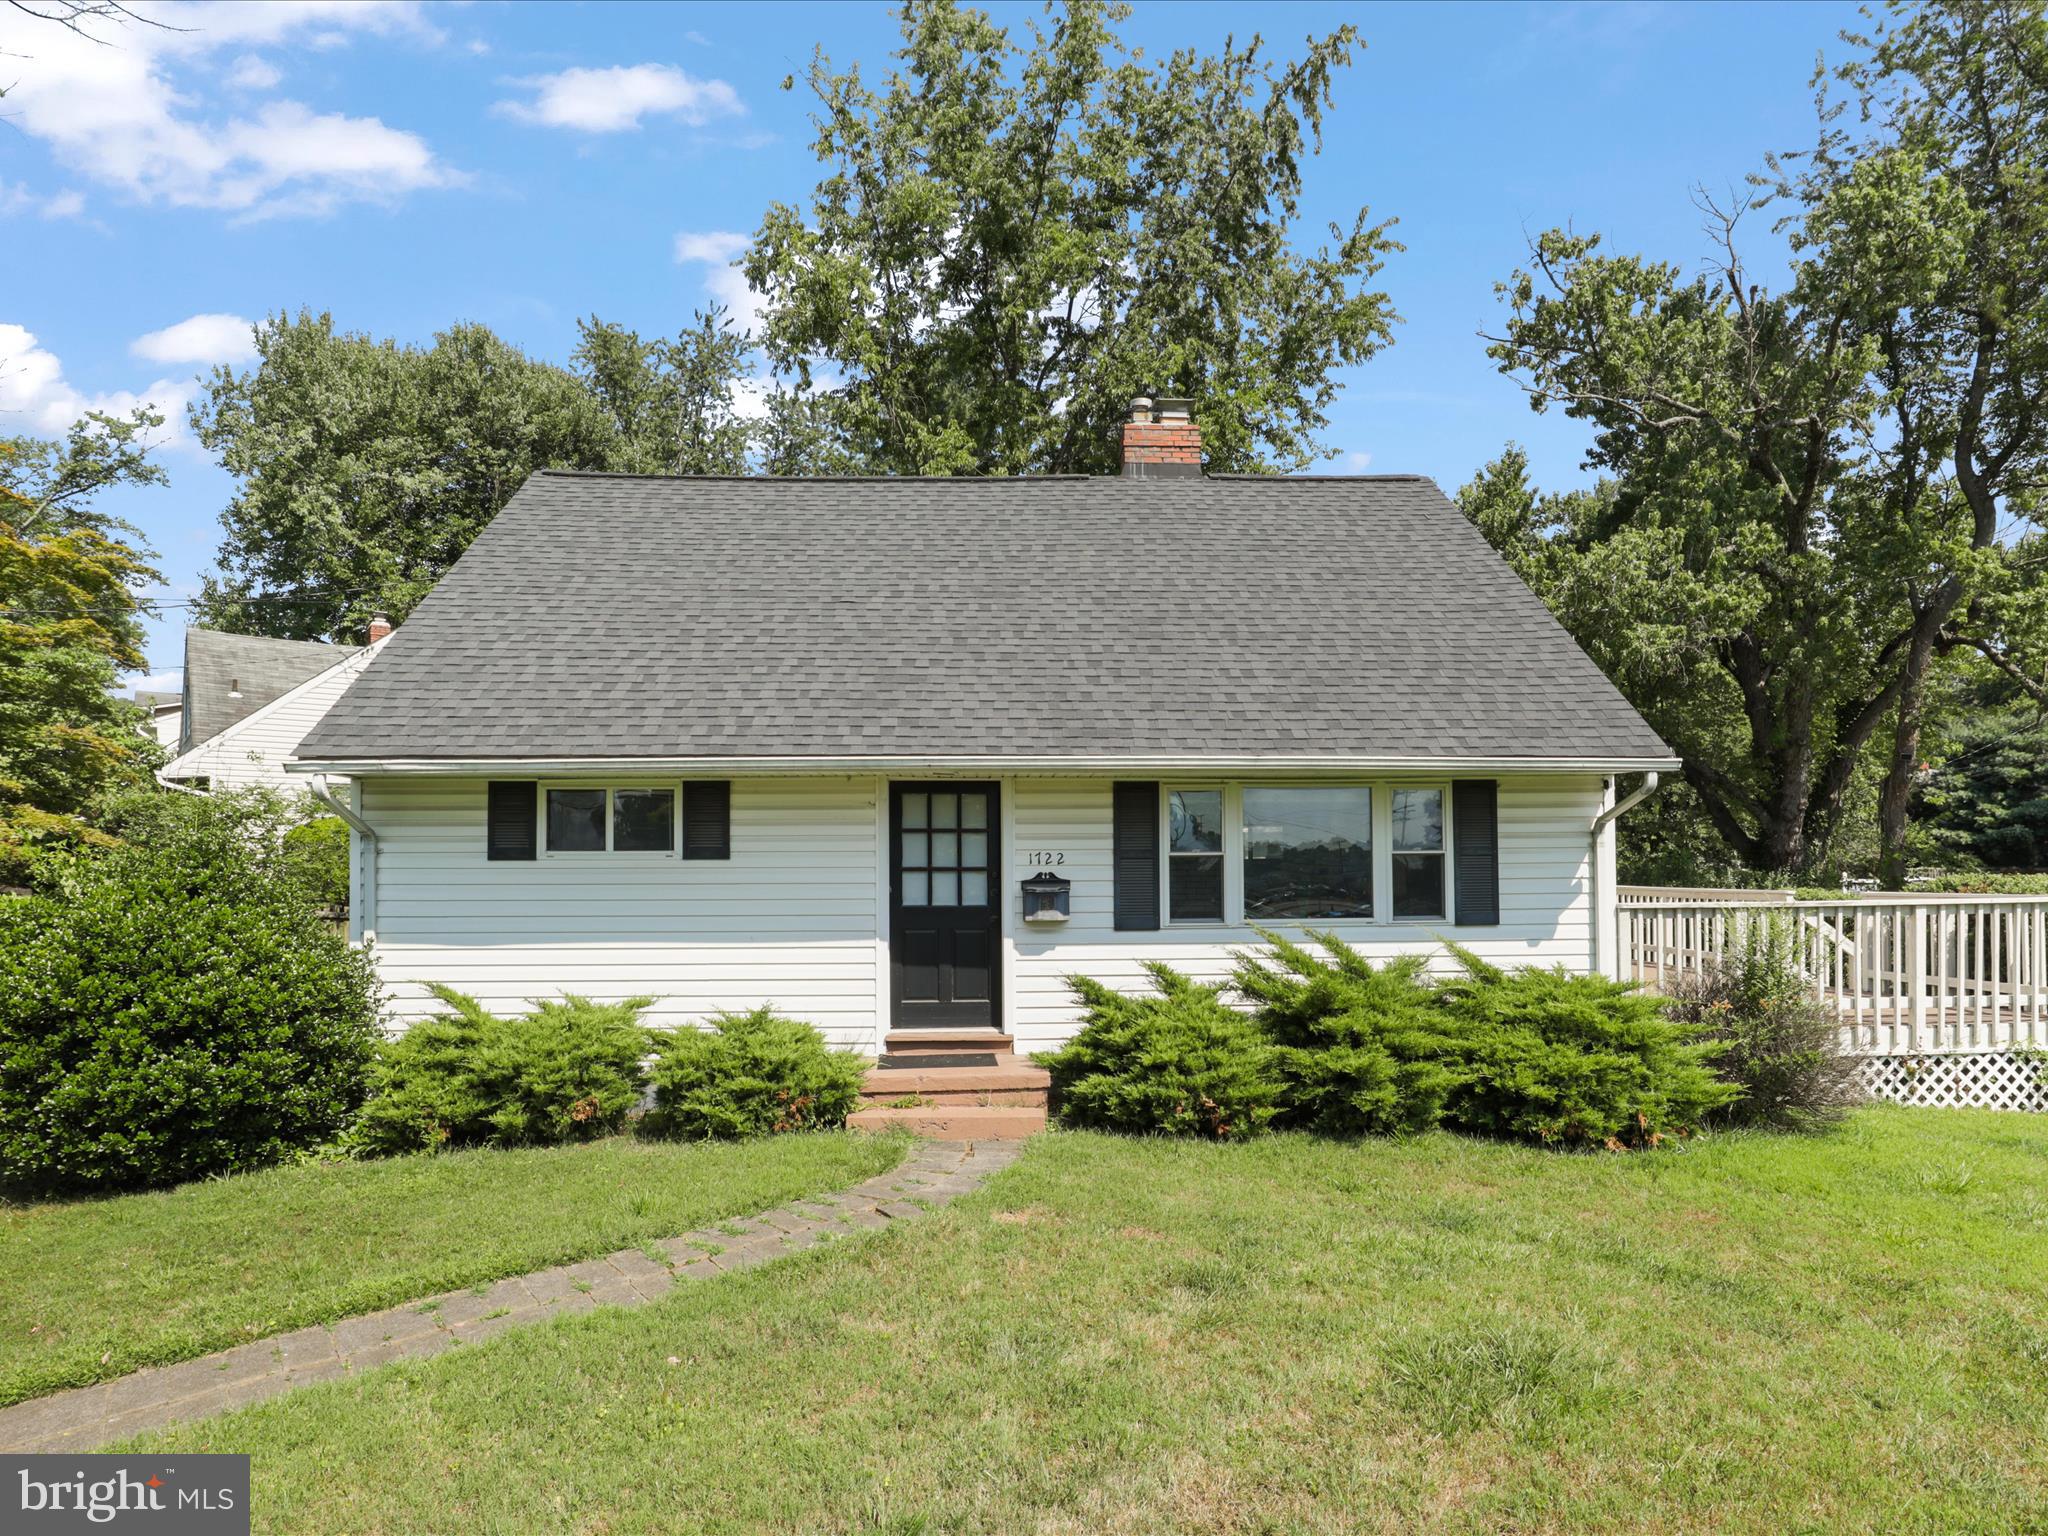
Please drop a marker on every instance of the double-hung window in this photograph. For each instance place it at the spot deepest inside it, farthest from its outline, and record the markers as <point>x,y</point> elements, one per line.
<point>1194,855</point>
<point>1419,854</point>
<point>624,820</point>
<point>1307,852</point>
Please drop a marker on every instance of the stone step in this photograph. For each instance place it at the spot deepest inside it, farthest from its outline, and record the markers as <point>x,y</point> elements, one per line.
<point>1009,1081</point>
<point>956,1122</point>
<point>932,1042</point>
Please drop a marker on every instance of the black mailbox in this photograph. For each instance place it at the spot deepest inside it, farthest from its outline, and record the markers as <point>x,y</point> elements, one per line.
<point>1045,898</point>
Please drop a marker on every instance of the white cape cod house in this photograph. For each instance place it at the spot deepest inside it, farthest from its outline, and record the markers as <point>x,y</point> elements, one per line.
<point>805,741</point>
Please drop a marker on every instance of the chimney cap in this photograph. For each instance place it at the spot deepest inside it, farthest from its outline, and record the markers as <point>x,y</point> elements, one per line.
<point>1141,408</point>
<point>1174,407</point>
<point>380,626</point>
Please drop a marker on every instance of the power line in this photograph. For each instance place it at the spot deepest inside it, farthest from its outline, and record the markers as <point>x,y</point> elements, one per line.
<point>86,610</point>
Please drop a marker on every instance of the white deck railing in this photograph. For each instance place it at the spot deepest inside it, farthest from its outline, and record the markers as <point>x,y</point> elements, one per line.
<point>1909,974</point>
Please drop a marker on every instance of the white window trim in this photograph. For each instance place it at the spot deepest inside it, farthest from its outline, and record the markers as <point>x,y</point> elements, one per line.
<point>607,852</point>
<point>1233,852</point>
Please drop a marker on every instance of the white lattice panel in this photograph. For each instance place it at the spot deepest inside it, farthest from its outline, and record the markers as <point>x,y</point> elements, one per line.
<point>1993,1080</point>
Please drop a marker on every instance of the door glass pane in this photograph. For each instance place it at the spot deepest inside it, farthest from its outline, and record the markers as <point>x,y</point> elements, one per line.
<point>945,810</point>
<point>914,810</point>
<point>1307,852</point>
<point>917,849</point>
<point>974,888</point>
<point>974,850</point>
<point>1194,820</point>
<point>1418,885</point>
<point>575,821</point>
<point>643,821</point>
<point>1194,888</point>
<point>974,810</point>
<point>1418,820</point>
<point>917,889</point>
<point>945,849</point>
<point>946,890</point>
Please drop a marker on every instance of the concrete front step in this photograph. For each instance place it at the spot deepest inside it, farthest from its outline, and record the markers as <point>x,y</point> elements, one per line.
<point>934,1042</point>
<point>956,1122</point>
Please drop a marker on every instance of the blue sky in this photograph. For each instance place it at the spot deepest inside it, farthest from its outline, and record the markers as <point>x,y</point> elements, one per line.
<point>405,167</point>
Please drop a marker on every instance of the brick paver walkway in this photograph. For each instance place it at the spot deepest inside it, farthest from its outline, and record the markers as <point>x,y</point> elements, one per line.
<point>81,1419</point>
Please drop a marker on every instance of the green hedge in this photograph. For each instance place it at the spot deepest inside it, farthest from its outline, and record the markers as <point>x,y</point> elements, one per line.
<point>177,1007</point>
<point>751,1074</point>
<point>568,1071</point>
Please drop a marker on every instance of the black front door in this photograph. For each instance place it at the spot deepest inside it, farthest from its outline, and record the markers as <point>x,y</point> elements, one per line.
<point>942,906</point>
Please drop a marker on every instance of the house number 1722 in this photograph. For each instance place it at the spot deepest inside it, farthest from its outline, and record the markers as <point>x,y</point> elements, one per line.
<point>1044,856</point>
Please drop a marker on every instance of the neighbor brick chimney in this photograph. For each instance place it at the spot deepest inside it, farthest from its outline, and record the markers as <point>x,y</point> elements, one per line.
<point>379,628</point>
<point>1161,440</point>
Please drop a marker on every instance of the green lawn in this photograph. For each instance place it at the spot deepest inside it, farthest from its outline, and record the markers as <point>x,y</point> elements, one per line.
<point>1751,1334</point>
<point>97,1288</point>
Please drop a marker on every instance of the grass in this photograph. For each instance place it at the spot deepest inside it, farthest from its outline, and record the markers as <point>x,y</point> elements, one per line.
<point>96,1288</point>
<point>1750,1334</point>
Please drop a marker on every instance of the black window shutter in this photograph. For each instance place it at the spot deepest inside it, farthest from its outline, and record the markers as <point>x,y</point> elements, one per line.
<point>1135,855</point>
<point>707,819</point>
<point>1475,850</point>
<point>510,818</point>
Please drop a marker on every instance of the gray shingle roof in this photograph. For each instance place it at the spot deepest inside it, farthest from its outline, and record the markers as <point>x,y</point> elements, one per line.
<point>219,665</point>
<point>624,616</point>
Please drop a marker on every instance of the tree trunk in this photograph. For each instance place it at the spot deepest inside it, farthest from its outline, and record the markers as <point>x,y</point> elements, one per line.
<point>1897,792</point>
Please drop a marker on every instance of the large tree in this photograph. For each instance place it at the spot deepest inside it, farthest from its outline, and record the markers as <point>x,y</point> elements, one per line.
<point>674,404</point>
<point>1818,492</point>
<point>1012,240</point>
<point>70,619</point>
<point>365,467</point>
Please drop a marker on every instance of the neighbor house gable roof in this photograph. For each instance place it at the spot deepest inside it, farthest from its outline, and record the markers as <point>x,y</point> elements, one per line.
<point>624,617</point>
<point>229,677</point>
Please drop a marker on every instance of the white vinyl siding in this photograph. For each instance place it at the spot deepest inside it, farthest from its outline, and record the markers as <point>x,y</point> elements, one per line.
<point>1544,826</point>
<point>798,915</point>
<point>789,919</point>
<point>253,751</point>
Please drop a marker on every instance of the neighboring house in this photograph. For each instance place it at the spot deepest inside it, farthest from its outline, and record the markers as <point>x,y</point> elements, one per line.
<point>249,701</point>
<point>166,716</point>
<point>808,741</point>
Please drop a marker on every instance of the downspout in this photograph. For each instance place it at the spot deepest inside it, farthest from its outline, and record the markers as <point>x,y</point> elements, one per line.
<point>363,905</point>
<point>1602,939</point>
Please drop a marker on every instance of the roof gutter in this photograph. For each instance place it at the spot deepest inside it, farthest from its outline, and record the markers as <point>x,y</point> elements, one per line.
<point>1028,763</point>
<point>1604,937</point>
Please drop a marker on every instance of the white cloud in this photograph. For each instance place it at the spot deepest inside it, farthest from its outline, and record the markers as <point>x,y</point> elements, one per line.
<point>36,398</point>
<point>1357,463</point>
<point>16,197</point>
<point>251,72</point>
<point>715,250</point>
<point>613,100</point>
<point>137,107</point>
<point>172,681</point>
<point>203,339</point>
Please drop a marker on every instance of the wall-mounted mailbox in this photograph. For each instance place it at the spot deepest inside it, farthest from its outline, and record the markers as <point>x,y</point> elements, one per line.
<point>1045,898</point>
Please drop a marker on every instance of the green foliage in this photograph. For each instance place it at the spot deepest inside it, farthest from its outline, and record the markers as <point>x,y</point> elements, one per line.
<point>1180,1061</point>
<point>1577,1060</point>
<point>69,621</point>
<point>1985,799</point>
<point>672,404</point>
<point>750,1074</point>
<point>1359,1049</point>
<point>1012,239</point>
<point>364,468</point>
<point>1821,491</point>
<point>316,855</point>
<point>568,1071</point>
<point>1776,1043</point>
<point>177,1008</point>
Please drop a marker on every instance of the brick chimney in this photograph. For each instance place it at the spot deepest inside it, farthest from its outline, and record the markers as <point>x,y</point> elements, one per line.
<point>1161,441</point>
<point>379,628</point>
